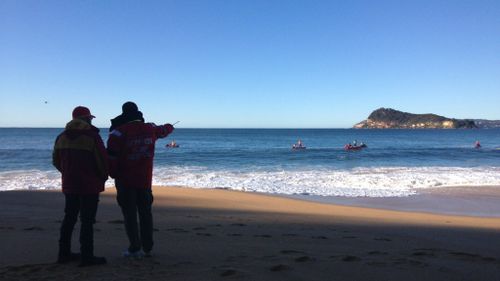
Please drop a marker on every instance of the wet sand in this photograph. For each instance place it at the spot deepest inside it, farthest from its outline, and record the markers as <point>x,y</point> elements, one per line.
<point>482,201</point>
<point>226,235</point>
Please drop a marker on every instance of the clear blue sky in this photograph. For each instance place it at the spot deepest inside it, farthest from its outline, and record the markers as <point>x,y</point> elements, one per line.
<point>294,64</point>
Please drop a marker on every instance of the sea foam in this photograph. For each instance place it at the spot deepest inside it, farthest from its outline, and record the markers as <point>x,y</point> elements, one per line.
<point>370,182</point>
<point>356,182</point>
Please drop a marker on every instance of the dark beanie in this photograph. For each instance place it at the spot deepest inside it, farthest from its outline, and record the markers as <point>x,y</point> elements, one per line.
<point>129,107</point>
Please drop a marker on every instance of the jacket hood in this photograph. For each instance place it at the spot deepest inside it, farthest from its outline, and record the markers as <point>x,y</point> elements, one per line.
<point>125,118</point>
<point>78,127</point>
<point>77,124</point>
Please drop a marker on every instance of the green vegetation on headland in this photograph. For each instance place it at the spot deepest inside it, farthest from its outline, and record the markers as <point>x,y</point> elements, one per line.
<point>388,118</point>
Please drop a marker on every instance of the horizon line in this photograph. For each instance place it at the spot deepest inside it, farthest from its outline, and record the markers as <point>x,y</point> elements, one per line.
<point>216,128</point>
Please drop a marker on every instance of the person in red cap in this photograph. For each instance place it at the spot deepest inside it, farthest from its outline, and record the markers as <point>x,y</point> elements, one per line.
<point>79,154</point>
<point>131,148</point>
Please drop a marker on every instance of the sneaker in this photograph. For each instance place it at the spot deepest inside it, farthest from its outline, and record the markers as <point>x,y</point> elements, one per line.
<point>93,261</point>
<point>136,255</point>
<point>61,259</point>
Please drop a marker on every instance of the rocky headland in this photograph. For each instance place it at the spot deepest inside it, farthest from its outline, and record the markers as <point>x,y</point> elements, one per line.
<point>388,118</point>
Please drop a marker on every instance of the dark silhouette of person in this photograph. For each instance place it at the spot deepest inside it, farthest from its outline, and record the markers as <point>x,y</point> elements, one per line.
<point>131,147</point>
<point>79,154</point>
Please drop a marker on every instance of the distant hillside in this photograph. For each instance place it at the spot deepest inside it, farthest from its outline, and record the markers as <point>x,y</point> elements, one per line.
<point>487,124</point>
<point>388,118</point>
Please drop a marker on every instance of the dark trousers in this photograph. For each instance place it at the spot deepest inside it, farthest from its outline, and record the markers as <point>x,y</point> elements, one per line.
<point>135,201</point>
<point>86,206</point>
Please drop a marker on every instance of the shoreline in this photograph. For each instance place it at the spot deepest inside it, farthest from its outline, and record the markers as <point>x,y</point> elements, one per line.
<point>474,201</point>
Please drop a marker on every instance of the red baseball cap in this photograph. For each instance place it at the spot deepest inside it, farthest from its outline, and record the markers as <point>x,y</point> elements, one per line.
<point>82,111</point>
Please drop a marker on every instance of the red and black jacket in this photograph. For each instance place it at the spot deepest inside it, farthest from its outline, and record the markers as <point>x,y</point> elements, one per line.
<point>131,150</point>
<point>79,154</point>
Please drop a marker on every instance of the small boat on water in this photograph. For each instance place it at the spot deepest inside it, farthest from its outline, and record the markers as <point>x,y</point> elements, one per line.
<point>354,147</point>
<point>477,144</point>
<point>299,145</point>
<point>173,144</point>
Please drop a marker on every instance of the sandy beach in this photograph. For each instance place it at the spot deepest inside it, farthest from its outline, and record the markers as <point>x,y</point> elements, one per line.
<point>229,235</point>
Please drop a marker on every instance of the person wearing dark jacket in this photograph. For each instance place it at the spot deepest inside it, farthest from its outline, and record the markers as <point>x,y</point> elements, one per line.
<point>131,147</point>
<point>79,154</point>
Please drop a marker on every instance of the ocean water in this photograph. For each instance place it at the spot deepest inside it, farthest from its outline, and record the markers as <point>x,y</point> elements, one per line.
<point>396,163</point>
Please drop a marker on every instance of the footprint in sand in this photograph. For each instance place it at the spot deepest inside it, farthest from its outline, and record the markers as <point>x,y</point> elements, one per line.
<point>37,228</point>
<point>423,254</point>
<point>350,258</point>
<point>238,224</point>
<point>319,237</point>
<point>382,239</point>
<point>403,261</point>
<point>235,234</point>
<point>33,271</point>
<point>304,259</point>
<point>428,249</point>
<point>203,234</point>
<point>464,255</point>
<point>280,267</point>
<point>469,256</point>
<point>289,235</point>
<point>228,272</point>
<point>6,228</point>
<point>263,235</point>
<point>177,230</point>
<point>291,252</point>
<point>377,253</point>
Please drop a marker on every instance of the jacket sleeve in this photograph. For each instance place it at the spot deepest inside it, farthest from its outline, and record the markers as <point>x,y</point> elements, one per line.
<point>101,158</point>
<point>56,161</point>
<point>115,140</point>
<point>163,130</point>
